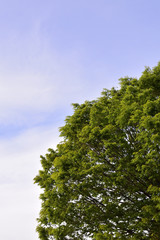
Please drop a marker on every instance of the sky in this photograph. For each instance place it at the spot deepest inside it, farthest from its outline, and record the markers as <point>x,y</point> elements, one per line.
<point>54,53</point>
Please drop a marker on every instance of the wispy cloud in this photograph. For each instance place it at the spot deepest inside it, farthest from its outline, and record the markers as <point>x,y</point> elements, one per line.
<point>31,89</point>
<point>35,91</point>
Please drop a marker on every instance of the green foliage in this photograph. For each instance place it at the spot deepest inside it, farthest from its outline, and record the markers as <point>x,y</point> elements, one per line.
<point>103,180</point>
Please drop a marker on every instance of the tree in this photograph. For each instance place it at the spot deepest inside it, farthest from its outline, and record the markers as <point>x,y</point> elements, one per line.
<point>103,180</point>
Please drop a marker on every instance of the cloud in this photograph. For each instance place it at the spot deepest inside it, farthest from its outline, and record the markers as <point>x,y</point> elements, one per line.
<point>17,153</point>
<point>20,162</point>
<point>35,80</point>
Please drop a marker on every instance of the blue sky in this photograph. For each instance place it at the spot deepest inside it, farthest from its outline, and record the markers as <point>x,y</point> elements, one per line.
<point>54,53</point>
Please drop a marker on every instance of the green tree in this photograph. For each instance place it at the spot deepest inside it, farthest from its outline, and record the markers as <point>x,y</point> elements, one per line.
<point>103,180</point>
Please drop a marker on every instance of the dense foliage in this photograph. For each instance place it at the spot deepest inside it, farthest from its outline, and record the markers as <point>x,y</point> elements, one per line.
<point>103,180</point>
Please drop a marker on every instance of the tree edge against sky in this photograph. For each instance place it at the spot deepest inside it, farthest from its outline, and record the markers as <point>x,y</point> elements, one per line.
<point>102,181</point>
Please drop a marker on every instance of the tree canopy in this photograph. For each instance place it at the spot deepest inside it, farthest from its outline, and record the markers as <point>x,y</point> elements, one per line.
<point>103,180</point>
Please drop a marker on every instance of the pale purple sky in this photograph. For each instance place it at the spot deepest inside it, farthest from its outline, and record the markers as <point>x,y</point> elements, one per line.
<point>54,53</point>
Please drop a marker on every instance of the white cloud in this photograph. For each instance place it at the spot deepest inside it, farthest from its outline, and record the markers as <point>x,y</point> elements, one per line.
<point>17,153</point>
<point>39,85</point>
<point>20,162</point>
